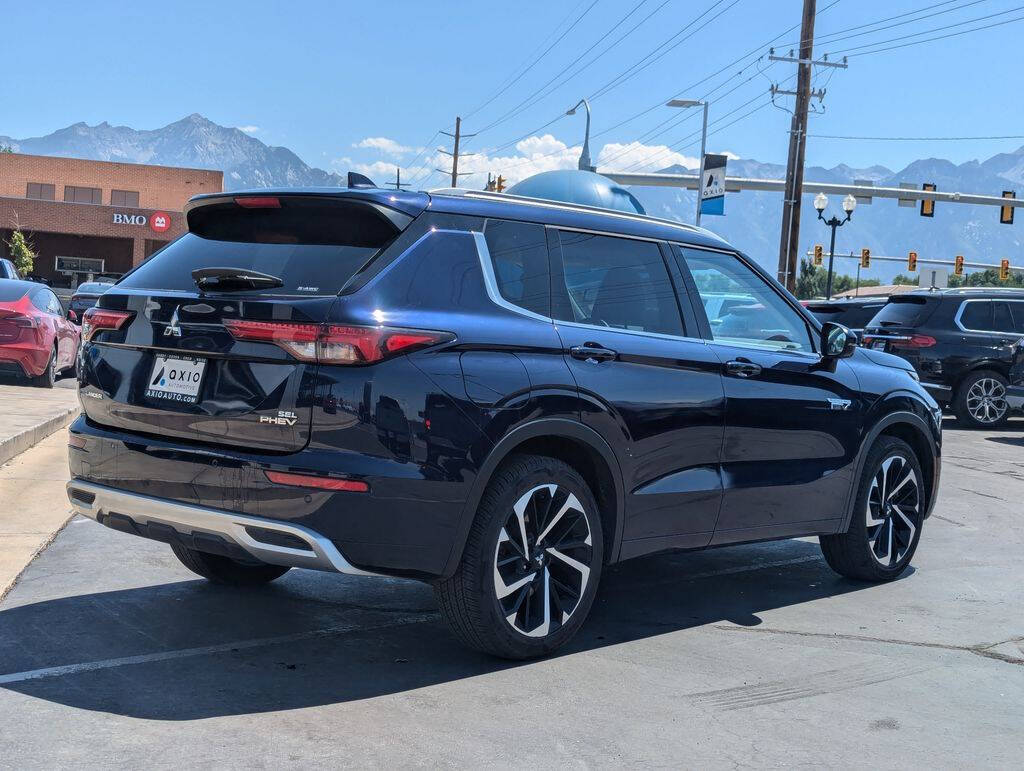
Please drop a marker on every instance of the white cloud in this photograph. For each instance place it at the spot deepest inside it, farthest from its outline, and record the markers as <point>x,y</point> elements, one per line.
<point>249,129</point>
<point>640,157</point>
<point>384,145</point>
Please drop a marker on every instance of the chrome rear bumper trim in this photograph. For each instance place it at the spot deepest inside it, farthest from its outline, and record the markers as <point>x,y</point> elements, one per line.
<point>188,518</point>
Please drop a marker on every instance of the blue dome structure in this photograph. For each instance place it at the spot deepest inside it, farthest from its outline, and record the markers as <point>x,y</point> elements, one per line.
<point>582,187</point>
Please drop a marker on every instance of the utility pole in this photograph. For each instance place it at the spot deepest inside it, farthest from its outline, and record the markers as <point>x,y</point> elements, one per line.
<point>398,184</point>
<point>458,135</point>
<point>790,236</point>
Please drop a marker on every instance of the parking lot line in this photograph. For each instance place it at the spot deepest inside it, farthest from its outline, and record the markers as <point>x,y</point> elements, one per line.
<point>205,650</point>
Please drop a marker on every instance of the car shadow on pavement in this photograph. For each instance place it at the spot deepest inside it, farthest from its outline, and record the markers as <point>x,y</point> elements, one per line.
<point>188,650</point>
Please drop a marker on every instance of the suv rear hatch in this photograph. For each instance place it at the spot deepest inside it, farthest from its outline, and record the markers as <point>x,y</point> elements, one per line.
<point>214,338</point>
<point>895,327</point>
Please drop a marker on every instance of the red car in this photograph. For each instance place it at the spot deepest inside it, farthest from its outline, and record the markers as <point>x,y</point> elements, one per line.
<point>36,340</point>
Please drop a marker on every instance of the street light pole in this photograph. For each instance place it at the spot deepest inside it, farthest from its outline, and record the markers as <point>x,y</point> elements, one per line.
<point>849,204</point>
<point>685,103</point>
<point>584,162</point>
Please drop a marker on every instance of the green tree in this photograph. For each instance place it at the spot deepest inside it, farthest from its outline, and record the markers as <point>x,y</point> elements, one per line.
<point>902,279</point>
<point>987,277</point>
<point>22,254</point>
<point>812,281</point>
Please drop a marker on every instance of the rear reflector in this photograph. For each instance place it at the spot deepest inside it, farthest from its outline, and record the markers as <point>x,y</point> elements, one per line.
<point>335,344</point>
<point>98,319</point>
<point>321,483</point>
<point>259,202</point>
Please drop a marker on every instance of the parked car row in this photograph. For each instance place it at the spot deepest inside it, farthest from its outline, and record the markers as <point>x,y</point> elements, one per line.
<point>966,345</point>
<point>37,341</point>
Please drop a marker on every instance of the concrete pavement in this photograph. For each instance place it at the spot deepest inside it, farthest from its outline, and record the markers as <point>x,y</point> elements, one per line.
<point>31,413</point>
<point>112,654</point>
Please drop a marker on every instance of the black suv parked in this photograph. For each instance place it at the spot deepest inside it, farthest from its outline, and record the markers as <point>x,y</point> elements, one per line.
<point>497,395</point>
<point>967,346</point>
<point>853,313</point>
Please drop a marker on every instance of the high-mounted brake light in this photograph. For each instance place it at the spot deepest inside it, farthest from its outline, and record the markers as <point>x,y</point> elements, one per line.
<point>333,343</point>
<point>98,319</point>
<point>322,483</point>
<point>259,202</point>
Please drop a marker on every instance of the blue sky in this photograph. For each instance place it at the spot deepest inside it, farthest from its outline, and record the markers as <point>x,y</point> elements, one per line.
<point>366,85</point>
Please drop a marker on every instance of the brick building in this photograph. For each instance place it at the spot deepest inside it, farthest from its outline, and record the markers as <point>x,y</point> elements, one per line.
<point>87,217</point>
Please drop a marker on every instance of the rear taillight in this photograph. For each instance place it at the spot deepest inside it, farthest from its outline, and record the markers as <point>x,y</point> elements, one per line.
<point>321,483</point>
<point>19,320</point>
<point>99,319</point>
<point>914,341</point>
<point>335,344</point>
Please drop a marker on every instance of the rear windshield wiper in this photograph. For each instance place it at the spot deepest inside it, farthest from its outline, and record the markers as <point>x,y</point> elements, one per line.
<point>233,279</point>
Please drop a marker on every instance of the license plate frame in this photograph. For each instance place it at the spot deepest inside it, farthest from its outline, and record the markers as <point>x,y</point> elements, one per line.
<point>176,379</point>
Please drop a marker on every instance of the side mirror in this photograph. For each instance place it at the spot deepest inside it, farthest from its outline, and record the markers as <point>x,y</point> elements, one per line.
<point>72,316</point>
<point>837,342</point>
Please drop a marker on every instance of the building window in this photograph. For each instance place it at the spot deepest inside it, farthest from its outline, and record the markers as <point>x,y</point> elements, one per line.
<point>128,198</point>
<point>40,191</point>
<point>73,194</point>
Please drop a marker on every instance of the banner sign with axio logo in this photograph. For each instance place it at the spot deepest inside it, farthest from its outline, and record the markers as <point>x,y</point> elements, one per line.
<point>712,186</point>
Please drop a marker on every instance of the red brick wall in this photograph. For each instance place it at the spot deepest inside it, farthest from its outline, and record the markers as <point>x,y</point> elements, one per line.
<point>159,187</point>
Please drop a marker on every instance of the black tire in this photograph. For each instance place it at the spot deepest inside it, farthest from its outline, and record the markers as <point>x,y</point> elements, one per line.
<point>855,553</point>
<point>469,599</point>
<point>224,570</point>
<point>49,376</point>
<point>984,384</point>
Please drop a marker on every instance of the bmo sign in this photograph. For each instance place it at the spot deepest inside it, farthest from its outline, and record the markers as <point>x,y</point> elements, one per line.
<point>158,221</point>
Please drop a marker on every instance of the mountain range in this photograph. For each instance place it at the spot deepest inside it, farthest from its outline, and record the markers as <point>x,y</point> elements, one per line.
<point>751,221</point>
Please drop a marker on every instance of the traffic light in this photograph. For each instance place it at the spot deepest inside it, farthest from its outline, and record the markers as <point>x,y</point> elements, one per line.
<point>818,252</point>
<point>1004,270</point>
<point>912,261</point>
<point>865,258</point>
<point>499,183</point>
<point>928,204</point>
<point>958,265</point>
<point>1006,212</point>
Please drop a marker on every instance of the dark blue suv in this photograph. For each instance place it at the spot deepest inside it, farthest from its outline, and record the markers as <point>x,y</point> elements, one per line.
<point>495,394</point>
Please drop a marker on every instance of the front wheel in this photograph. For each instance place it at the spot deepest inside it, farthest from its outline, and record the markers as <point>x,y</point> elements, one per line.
<point>531,564</point>
<point>887,516</point>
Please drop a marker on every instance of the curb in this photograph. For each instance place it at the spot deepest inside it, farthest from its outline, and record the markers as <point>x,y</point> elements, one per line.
<point>30,437</point>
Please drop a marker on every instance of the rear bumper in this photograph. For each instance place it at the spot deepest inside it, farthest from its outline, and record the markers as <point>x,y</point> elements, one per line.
<point>27,358</point>
<point>211,530</point>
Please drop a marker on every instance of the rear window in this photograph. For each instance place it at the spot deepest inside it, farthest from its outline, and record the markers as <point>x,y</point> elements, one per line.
<point>314,246</point>
<point>904,312</point>
<point>10,291</point>
<point>93,287</point>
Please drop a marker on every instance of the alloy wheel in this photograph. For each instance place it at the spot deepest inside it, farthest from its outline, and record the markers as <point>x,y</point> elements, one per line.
<point>986,400</point>
<point>542,561</point>
<point>893,510</point>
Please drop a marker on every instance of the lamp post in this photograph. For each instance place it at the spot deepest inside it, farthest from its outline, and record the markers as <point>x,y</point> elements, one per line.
<point>849,204</point>
<point>686,103</point>
<point>584,163</point>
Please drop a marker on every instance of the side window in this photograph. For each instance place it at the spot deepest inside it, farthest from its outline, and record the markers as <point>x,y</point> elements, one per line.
<point>976,315</point>
<point>40,300</point>
<point>1002,321</point>
<point>519,254</point>
<point>742,307</point>
<point>1017,309</point>
<point>618,283</point>
<point>54,304</point>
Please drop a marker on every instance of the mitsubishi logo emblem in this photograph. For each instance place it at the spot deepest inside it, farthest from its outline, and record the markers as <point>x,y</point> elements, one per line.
<point>172,329</point>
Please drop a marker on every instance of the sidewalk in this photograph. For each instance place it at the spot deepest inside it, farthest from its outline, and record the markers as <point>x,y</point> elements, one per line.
<point>30,414</point>
<point>33,471</point>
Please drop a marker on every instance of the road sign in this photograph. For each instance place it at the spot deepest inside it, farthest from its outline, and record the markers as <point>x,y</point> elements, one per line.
<point>937,277</point>
<point>712,187</point>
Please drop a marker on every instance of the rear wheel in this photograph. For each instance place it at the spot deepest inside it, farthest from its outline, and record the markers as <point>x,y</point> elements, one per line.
<point>980,401</point>
<point>887,516</point>
<point>531,564</point>
<point>224,570</point>
<point>49,376</point>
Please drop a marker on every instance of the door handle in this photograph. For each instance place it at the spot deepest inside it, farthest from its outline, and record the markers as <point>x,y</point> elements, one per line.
<point>742,368</point>
<point>592,352</point>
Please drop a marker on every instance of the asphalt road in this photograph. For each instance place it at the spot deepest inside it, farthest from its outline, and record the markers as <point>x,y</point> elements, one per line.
<point>111,654</point>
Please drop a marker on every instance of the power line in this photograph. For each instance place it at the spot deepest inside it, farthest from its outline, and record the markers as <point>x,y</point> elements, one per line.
<point>929,31</point>
<point>537,59</point>
<point>914,139</point>
<point>888,18</point>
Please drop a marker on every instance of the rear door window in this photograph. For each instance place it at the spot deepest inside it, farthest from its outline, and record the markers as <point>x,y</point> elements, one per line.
<point>1017,309</point>
<point>614,282</point>
<point>977,315</point>
<point>1002,321</point>
<point>519,256</point>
